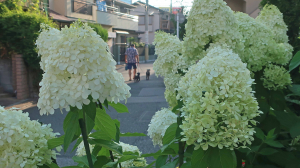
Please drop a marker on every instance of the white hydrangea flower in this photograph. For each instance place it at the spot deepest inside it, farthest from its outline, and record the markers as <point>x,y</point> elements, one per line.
<point>171,81</point>
<point>258,42</point>
<point>276,77</point>
<point>260,46</point>
<point>79,65</point>
<point>273,18</point>
<point>218,102</point>
<point>170,97</point>
<point>23,142</point>
<point>169,51</point>
<point>139,162</point>
<point>210,21</point>
<point>159,124</point>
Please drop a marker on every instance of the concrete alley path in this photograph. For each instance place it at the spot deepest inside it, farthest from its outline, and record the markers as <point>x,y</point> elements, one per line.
<point>147,97</point>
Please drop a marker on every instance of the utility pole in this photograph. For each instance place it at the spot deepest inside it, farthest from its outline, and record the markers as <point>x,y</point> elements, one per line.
<point>177,24</point>
<point>171,8</point>
<point>171,12</point>
<point>146,32</point>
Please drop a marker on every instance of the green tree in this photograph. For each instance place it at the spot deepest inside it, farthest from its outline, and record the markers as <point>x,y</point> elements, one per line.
<point>19,31</point>
<point>99,30</point>
<point>181,25</point>
<point>291,12</point>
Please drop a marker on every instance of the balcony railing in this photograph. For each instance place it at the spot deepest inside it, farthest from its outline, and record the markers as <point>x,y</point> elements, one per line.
<point>82,7</point>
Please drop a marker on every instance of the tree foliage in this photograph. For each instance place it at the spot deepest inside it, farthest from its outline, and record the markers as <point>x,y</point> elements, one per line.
<point>19,30</point>
<point>99,30</point>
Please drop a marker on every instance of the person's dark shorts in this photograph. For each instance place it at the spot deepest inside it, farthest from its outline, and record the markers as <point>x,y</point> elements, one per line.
<point>130,65</point>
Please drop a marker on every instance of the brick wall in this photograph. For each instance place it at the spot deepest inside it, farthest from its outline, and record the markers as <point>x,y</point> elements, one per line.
<point>20,77</point>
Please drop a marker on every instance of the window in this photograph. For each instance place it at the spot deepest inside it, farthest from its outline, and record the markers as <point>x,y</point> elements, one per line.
<point>123,39</point>
<point>150,20</point>
<point>141,20</point>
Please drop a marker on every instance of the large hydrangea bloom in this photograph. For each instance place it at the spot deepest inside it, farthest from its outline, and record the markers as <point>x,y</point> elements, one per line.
<point>210,21</point>
<point>169,50</point>
<point>218,102</point>
<point>260,47</point>
<point>159,124</point>
<point>258,42</point>
<point>23,143</point>
<point>77,66</point>
<point>139,162</point>
<point>171,81</point>
<point>273,18</point>
<point>276,77</point>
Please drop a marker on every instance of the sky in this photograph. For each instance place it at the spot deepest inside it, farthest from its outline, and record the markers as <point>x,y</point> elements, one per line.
<point>166,3</point>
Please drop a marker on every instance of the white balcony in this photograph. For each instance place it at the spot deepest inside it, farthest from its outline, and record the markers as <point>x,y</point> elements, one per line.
<point>118,20</point>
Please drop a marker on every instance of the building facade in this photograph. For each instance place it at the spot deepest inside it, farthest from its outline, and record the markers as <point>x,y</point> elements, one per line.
<point>158,20</point>
<point>251,7</point>
<point>113,15</point>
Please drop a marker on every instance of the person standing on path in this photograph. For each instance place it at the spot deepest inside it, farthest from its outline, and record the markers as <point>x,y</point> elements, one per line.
<point>131,58</point>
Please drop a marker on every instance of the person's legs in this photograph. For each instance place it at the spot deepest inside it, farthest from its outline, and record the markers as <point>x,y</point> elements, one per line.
<point>129,66</point>
<point>129,71</point>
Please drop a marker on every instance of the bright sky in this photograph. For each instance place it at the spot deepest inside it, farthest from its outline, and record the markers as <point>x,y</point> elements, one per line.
<point>166,3</point>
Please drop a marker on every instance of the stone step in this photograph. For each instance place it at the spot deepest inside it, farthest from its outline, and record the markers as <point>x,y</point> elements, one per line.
<point>5,95</point>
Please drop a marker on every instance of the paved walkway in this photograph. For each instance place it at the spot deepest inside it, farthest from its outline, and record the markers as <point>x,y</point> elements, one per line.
<point>147,97</point>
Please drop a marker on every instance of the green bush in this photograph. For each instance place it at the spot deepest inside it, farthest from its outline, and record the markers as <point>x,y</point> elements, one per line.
<point>137,44</point>
<point>100,30</point>
<point>19,31</point>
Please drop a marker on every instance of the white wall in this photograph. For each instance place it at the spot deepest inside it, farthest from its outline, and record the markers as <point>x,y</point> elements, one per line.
<point>140,10</point>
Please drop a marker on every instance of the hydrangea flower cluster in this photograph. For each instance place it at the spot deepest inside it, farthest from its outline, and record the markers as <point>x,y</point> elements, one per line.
<point>77,63</point>
<point>210,21</point>
<point>261,51</point>
<point>219,104</point>
<point>258,42</point>
<point>139,162</point>
<point>276,77</point>
<point>23,142</point>
<point>171,81</point>
<point>273,18</point>
<point>159,124</point>
<point>169,49</point>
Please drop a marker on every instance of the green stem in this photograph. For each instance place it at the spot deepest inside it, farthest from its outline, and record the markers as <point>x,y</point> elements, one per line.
<point>256,153</point>
<point>180,143</point>
<point>181,153</point>
<point>111,156</point>
<point>85,141</point>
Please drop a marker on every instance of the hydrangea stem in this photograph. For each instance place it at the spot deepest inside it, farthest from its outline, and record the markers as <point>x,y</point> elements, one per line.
<point>85,141</point>
<point>111,156</point>
<point>181,153</point>
<point>180,143</point>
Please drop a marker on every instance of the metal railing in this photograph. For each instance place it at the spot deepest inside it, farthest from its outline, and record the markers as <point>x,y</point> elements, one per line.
<point>82,7</point>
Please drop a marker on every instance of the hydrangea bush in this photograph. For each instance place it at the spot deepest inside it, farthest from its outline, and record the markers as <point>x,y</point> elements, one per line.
<point>23,142</point>
<point>159,124</point>
<point>137,162</point>
<point>219,105</point>
<point>231,105</point>
<point>210,21</point>
<point>80,77</point>
<point>76,64</point>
